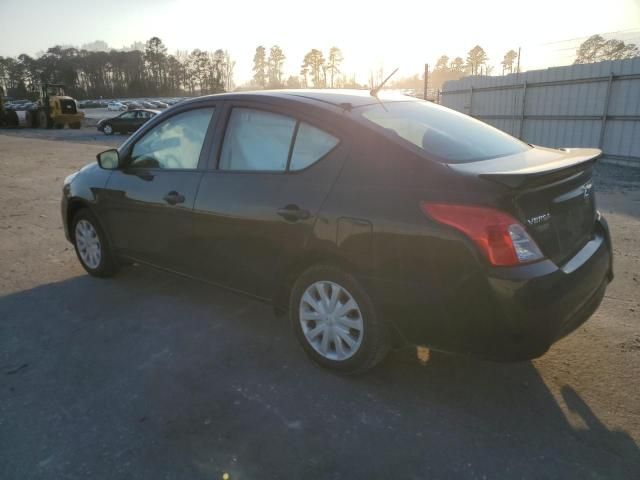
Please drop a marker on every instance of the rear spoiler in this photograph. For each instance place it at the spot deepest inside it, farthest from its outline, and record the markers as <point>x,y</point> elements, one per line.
<point>535,166</point>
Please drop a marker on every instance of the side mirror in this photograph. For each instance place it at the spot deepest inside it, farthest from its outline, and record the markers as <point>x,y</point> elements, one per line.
<point>109,159</point>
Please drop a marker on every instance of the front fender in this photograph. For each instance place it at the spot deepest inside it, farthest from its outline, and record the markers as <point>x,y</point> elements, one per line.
<point>82,191</point>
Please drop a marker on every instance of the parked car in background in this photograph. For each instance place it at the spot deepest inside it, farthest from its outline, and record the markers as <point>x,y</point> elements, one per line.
<point>132,105</point>
<point>89,104</point>
<point>116,106</point>
<point>158,104</point>
<point>372,220</point>
<point>126,122</point>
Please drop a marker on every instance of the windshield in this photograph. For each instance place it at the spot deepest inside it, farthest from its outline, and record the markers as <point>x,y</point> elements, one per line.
<point>445,135</point>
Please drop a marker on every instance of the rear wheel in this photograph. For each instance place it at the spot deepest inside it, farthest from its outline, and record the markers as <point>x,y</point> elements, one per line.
<point>91,245</point>
<point>29,120</point>
<point>43,120</point>
<point>335,321</point>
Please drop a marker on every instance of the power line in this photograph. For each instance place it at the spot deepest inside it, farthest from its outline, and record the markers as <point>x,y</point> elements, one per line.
<point>635,30</point>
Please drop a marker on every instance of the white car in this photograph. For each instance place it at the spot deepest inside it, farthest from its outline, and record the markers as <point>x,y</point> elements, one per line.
<point>116,107</point>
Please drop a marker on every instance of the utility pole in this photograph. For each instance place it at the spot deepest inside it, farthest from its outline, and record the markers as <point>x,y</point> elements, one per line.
<point>426,79</point>
<point>518,67</point>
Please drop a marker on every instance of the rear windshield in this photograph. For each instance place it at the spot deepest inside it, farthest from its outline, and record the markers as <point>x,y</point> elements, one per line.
<point>444,134</point>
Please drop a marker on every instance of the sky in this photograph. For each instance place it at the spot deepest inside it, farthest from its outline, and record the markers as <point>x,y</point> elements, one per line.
<point>399,33</point>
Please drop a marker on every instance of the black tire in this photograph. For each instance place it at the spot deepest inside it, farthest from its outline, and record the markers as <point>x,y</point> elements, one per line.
<point>108,129</point>
<point>43,120</point>
<point>107,265</point>
<point>375,342</point>
<point>75,125</point>
<point>29,120</point>
<point>59,126</point>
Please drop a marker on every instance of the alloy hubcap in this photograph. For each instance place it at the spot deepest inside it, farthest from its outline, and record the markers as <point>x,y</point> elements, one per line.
<point>331,320</point>
<point>88,244</point>
<point>108,129</point>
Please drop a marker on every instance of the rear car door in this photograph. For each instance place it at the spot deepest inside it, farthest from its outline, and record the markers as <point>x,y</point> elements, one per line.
<point>258,203</point>
<point>149,201</point>
<point>142,116</point>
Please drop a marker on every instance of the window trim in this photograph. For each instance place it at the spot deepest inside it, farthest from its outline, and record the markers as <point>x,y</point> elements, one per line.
<point>299,170</point>
<point>267,108</point>
<point>206,144</point>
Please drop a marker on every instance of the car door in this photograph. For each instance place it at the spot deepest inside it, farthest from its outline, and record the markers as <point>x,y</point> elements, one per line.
<point>254,207</point>
<point>140,119</point>
<point>149,200</point>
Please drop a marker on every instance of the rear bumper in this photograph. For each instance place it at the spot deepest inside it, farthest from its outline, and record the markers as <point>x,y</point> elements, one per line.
<point>507,314</point>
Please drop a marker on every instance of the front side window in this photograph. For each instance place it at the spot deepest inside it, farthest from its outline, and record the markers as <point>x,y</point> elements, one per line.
<point>175,143</point>
<point>311,145</point>
<point>257,140</point>
<point>128,115</point>
<point>445,135</point>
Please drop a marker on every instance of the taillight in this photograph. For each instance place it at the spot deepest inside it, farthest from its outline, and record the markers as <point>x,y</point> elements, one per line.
<point>499,236</point>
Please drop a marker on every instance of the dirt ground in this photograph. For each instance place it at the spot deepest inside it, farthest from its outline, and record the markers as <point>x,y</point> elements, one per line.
<point>147,375</point>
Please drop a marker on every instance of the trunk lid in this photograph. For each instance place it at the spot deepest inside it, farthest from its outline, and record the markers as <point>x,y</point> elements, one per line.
<point>550,193</point>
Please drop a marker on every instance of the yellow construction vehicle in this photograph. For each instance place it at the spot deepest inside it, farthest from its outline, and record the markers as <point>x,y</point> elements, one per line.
<point>55,109</point>
<point>8,118</point>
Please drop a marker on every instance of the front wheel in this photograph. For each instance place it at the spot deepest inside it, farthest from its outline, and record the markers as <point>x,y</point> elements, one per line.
<point>91,245</point>
<point>108,129</point>
<point>335,321</point>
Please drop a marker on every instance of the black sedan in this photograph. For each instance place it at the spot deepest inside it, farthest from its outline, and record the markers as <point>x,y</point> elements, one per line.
<point>373,221</point>
<point>126,122</point>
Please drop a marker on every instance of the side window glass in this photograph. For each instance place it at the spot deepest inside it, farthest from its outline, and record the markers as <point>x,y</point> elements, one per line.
<point>256,140</point>
<point>175,143</point>
<point>128,115</point>
<point>311,145</point>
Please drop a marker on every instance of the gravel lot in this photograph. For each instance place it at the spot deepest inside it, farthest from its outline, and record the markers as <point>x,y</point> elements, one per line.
<point>152,376</point>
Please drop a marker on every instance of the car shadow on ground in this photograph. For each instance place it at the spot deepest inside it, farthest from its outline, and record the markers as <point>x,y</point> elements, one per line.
<point>149,375</point>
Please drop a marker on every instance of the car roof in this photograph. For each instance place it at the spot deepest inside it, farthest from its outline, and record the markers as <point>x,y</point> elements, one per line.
<point>328,98</point>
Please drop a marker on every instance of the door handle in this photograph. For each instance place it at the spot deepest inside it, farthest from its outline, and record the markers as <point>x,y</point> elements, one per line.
<point>173,198</point>
<point>293,213</point>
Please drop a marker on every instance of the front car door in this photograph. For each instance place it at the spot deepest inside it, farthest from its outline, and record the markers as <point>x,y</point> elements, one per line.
<point>122,123</point>
<point>260,200</point>
<point>149,201</point>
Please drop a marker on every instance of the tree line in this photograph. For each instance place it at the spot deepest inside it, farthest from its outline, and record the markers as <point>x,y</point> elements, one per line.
<point>447,68</point>
<point>147,70</point>
<point>593,49</point>
<point>597,49</point>
<point>316,70</point>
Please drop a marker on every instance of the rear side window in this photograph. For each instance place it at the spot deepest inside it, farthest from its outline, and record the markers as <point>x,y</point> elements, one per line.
<point>311,145</point>
<point>257,140</point>
<point>445,135</point>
